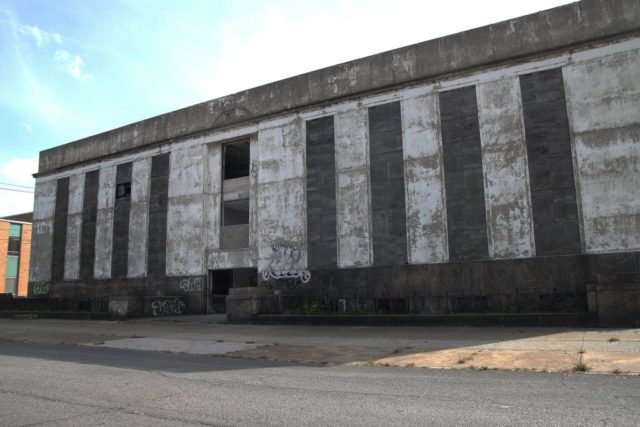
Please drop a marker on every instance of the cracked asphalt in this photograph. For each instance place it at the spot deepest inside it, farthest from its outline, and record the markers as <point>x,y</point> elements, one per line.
<point>77,385</point>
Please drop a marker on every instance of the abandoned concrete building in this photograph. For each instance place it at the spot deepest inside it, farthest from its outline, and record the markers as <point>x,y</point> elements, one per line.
<point>495,170</point>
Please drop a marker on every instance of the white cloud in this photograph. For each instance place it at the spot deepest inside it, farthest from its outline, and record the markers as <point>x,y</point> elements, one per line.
<point>69,63</point>
<point>41,37</point>
<point>17,171</point>
<point>27,127</point>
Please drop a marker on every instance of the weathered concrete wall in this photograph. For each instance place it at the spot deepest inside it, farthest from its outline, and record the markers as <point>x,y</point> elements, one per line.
<point>506,176</point>
<point>139,218</point>
<point>74,227</point>
<point>565,26</point>
<point>212,202</point>
<point>426,213</point>
<point>104,222</point>
<point>184,220</point>
<point>42,232</point>
<point>353,190</point>
<point>280,208</point>
<point>603,98</point>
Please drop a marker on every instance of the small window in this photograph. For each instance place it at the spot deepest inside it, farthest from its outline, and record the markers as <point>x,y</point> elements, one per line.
<point>15,230</point>
<point>236,159</point>
<point>123,191</point>
<point>235,212</point>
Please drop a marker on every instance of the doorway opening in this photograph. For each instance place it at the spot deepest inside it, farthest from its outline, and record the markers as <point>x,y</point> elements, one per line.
<point>220,281</point>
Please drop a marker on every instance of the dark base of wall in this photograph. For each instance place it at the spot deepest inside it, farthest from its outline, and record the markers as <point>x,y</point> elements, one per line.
<point>605,284</point>
<point>526,319</point>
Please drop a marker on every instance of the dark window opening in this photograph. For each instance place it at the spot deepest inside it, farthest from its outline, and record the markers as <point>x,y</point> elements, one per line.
<point>235,212</point>
<point>123,191</point>
<point>236,160</point>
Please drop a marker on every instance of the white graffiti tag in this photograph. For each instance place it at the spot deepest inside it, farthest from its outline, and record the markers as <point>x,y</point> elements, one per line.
<point>167,307</point>
<point>303,275</point>
<point>41,288</point>
<point>192,284</point>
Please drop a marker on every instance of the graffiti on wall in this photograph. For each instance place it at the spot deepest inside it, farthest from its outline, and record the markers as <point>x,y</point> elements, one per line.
<point>285,279</point>
<point>192,284</point>
<point>41,288</point>
<point>167,307</point>
<point>118,307</point>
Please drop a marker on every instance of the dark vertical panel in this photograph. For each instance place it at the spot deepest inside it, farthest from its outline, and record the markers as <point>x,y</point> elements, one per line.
<point>60,229</point>
<point>321,194</point>
<point>89,214</point>
<point>158,202</point>
<point>121,210</point>
<point>553,191</point>
<point>387,185</point>
<point>464,181</point>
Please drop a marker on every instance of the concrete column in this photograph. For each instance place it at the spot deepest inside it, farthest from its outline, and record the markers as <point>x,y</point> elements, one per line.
<point>424,177</point>
<point>603,101</point>
<point>184,217</point>
<point>104,222</point>
<point>281,210</point>
<point>74,227</point>
<point>212,198</point>
<point>139,218</point>
<point>353,207</point>
<point>506,175</point>
<point>42,231</point>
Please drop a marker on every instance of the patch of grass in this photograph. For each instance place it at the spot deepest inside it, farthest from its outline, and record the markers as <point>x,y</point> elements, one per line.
<point>616,371</point>
<point>581,367</point>
<point>613,339</point>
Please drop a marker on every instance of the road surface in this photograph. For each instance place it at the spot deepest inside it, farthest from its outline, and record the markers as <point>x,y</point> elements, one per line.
<point>77,385</point>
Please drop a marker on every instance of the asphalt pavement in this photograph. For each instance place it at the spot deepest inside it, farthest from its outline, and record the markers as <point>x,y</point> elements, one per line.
<point>73,385</point>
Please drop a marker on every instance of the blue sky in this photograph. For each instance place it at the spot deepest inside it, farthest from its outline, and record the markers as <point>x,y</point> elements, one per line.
<point>74,68</point>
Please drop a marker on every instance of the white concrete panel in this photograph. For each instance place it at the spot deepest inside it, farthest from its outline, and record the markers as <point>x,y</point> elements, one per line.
<point>76,193</point>
<point>187,171</point>
<point>104,223</point>
<point>280,197</point>
<point>185,251</point>
<point>506,173</point>
<point>41,250</point>
<point>74,227</point>
<point>72,251</point>
<point>603,101</point>
<point>44,201</point>
<point>353,207</point>
<point>139,218</point>
<point>424,177</point>
<point>254,153</point>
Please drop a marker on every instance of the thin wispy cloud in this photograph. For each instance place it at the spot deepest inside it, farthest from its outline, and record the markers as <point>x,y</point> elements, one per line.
<point>69,63</point>
<point>40,37</point>
<point>27,127</point>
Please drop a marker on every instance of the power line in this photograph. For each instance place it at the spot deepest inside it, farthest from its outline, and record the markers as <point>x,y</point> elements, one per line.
<point>15,189</point>
<point>16,185</point>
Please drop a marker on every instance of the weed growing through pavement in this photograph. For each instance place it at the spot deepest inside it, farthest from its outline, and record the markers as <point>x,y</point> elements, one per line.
<point>581,367</point>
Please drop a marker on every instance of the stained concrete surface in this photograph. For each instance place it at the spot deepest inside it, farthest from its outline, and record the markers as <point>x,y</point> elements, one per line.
<point>67,385</point>
<point>541,349</point>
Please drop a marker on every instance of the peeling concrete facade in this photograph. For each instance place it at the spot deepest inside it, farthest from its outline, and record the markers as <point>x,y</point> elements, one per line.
<point>473,133</point>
